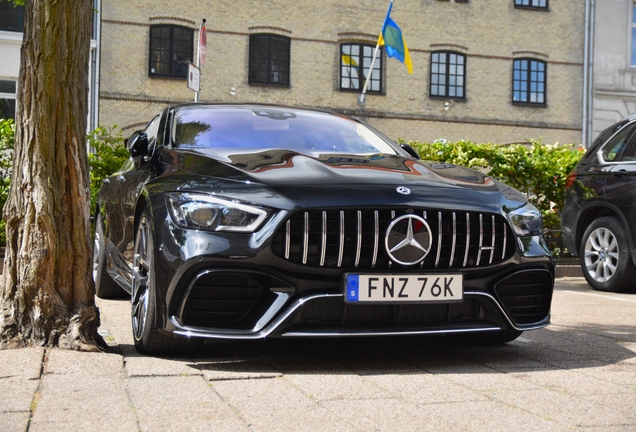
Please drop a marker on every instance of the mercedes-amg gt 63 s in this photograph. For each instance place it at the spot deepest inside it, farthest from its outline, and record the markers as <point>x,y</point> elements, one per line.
<point>254,221</point>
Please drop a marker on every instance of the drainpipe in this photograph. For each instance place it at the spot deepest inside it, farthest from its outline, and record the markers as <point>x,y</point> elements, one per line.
<point>588,74</point>
<point>590,107</point>
<point>586,77</point>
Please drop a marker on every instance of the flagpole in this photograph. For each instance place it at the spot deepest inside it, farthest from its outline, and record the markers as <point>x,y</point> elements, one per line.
<point>362,96</point>
<point>198,64</point>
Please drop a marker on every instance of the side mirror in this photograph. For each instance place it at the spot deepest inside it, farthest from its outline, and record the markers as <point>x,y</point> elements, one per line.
<point>410,150</point>
<point>138,144</point>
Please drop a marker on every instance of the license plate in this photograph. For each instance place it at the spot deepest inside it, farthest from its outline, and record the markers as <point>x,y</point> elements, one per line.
<point>404,288</point>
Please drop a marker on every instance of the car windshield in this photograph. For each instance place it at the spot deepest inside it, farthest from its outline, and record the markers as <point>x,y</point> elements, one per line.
<point>254,127</point>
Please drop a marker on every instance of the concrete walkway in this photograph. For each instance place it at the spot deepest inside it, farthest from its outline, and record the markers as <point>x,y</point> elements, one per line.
<point>579,373</point>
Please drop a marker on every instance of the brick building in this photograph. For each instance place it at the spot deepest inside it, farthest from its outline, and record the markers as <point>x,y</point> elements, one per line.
<point>489,71</point>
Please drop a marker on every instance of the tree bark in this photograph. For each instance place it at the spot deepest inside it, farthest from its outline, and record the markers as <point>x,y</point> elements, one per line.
<point>48,296</point>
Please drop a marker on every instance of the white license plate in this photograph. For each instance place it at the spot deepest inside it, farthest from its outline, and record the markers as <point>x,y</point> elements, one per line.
<point>404,288</point>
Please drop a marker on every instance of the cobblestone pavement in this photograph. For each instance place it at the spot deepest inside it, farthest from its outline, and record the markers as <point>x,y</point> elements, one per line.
<point>579,373</point>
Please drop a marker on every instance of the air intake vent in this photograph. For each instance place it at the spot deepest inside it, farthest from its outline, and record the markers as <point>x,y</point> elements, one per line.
<point>526,296</point>
<point>219,297</point>
<point>355,239</point>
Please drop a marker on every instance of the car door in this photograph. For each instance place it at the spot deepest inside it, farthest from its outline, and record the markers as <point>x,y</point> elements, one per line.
<point>620,186</point>
<point>124,188</point>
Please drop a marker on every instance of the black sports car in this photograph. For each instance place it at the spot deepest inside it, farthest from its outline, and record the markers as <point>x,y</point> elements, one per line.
<point>249,221</point>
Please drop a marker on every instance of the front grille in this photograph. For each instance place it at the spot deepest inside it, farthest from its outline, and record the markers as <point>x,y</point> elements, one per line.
<point>355,239</point>
<point>526,296</point>
<point>218,297</point>
<point>334,311</point>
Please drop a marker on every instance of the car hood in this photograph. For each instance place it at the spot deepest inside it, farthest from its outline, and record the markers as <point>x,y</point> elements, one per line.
<point>284,167</point>
<point>291,180</point>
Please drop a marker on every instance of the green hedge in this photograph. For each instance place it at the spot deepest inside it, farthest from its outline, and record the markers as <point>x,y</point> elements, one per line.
<point>536,169</point>
<point>107,155</point>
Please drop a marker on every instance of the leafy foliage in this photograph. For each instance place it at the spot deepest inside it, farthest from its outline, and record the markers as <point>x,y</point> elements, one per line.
<point>107,155</point>
<point>536,169</point>
<point>7,142</point>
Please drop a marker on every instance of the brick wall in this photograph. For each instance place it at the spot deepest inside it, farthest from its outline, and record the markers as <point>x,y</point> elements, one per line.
<point>490,33</point>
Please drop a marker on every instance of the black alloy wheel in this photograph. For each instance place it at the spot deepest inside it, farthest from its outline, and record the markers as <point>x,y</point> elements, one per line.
<point>605,256</point>
<point>148,338</point>
<point>105,286</point>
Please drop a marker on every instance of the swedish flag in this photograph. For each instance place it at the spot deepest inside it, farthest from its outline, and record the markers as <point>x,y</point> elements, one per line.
<point>392,38</point>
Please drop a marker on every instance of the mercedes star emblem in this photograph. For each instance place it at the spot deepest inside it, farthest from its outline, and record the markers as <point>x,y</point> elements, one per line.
<point>404,190</point>
<point>408,239</point>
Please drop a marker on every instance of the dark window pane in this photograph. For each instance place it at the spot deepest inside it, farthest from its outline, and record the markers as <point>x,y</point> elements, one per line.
<point>269,59</point>
<point>11,18</point>
<point>171,48</point>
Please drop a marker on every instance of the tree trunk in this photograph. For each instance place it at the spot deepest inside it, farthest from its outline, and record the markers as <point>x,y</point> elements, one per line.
<point>47,295</point>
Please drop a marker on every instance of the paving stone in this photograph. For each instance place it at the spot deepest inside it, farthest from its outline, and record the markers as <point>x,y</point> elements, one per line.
<point>142,365</point>
<point>570,411</point>
<point>21,364</point>
<point>573,382</point>
<point>276,404</point>
<point>185,403</point>
<point>65,362</point>
<point>14,421</point>
<point>423,388</point>
<point>83,402</point>
<point>17,395</point>
<point>237,370</point>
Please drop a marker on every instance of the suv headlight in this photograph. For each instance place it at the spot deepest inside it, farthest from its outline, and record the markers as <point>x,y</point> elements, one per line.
<point>204,212</point>
<point>526,220</point>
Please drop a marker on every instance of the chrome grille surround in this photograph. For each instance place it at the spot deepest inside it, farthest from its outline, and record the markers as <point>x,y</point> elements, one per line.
<point>354,238</point>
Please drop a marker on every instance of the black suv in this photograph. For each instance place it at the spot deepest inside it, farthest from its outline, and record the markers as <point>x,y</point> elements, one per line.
<point>599,216</point>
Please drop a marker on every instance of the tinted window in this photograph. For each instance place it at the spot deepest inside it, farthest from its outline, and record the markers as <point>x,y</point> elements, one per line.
<point>268,128</point>
<point>614,147</point>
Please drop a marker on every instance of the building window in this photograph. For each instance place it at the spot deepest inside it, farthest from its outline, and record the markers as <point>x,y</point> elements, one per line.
<point>448,72</point>
<point>11,17</point>
<point>352,56</point>
<point>269,59</point>
<point>529,81</point>
<point>170,50</point>
<point>532,4</point>
<point>7,99</point>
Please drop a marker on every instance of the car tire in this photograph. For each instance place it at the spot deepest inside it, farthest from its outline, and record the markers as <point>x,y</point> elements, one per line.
<point>605,256</point>
<point>147,336</point>
<point>486,338</point>
<point>105,286</point>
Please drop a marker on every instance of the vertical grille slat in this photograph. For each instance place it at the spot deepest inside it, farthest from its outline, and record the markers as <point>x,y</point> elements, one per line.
<point>323,248</point>
<point>452,254</point>
<point>439,238</point>
<point>492,241</point>
<point>481,237</point>
<point>354,238</point>
<point>306,238</point>
<point>376,237</point>
<point>359,241</point>
<point>342,238</point>
<point>467,239</point>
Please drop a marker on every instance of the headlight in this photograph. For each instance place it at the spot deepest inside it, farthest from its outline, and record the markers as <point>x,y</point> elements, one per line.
<point>203,212</point>
<point>527,221</point>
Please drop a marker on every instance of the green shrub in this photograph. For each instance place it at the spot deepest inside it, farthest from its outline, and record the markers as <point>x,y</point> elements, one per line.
<point>107,154</point>
<point>7,141</point>
<point>536,169</point>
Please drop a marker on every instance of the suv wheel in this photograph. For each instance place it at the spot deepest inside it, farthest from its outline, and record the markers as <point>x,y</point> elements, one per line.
<point>605,256</point>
